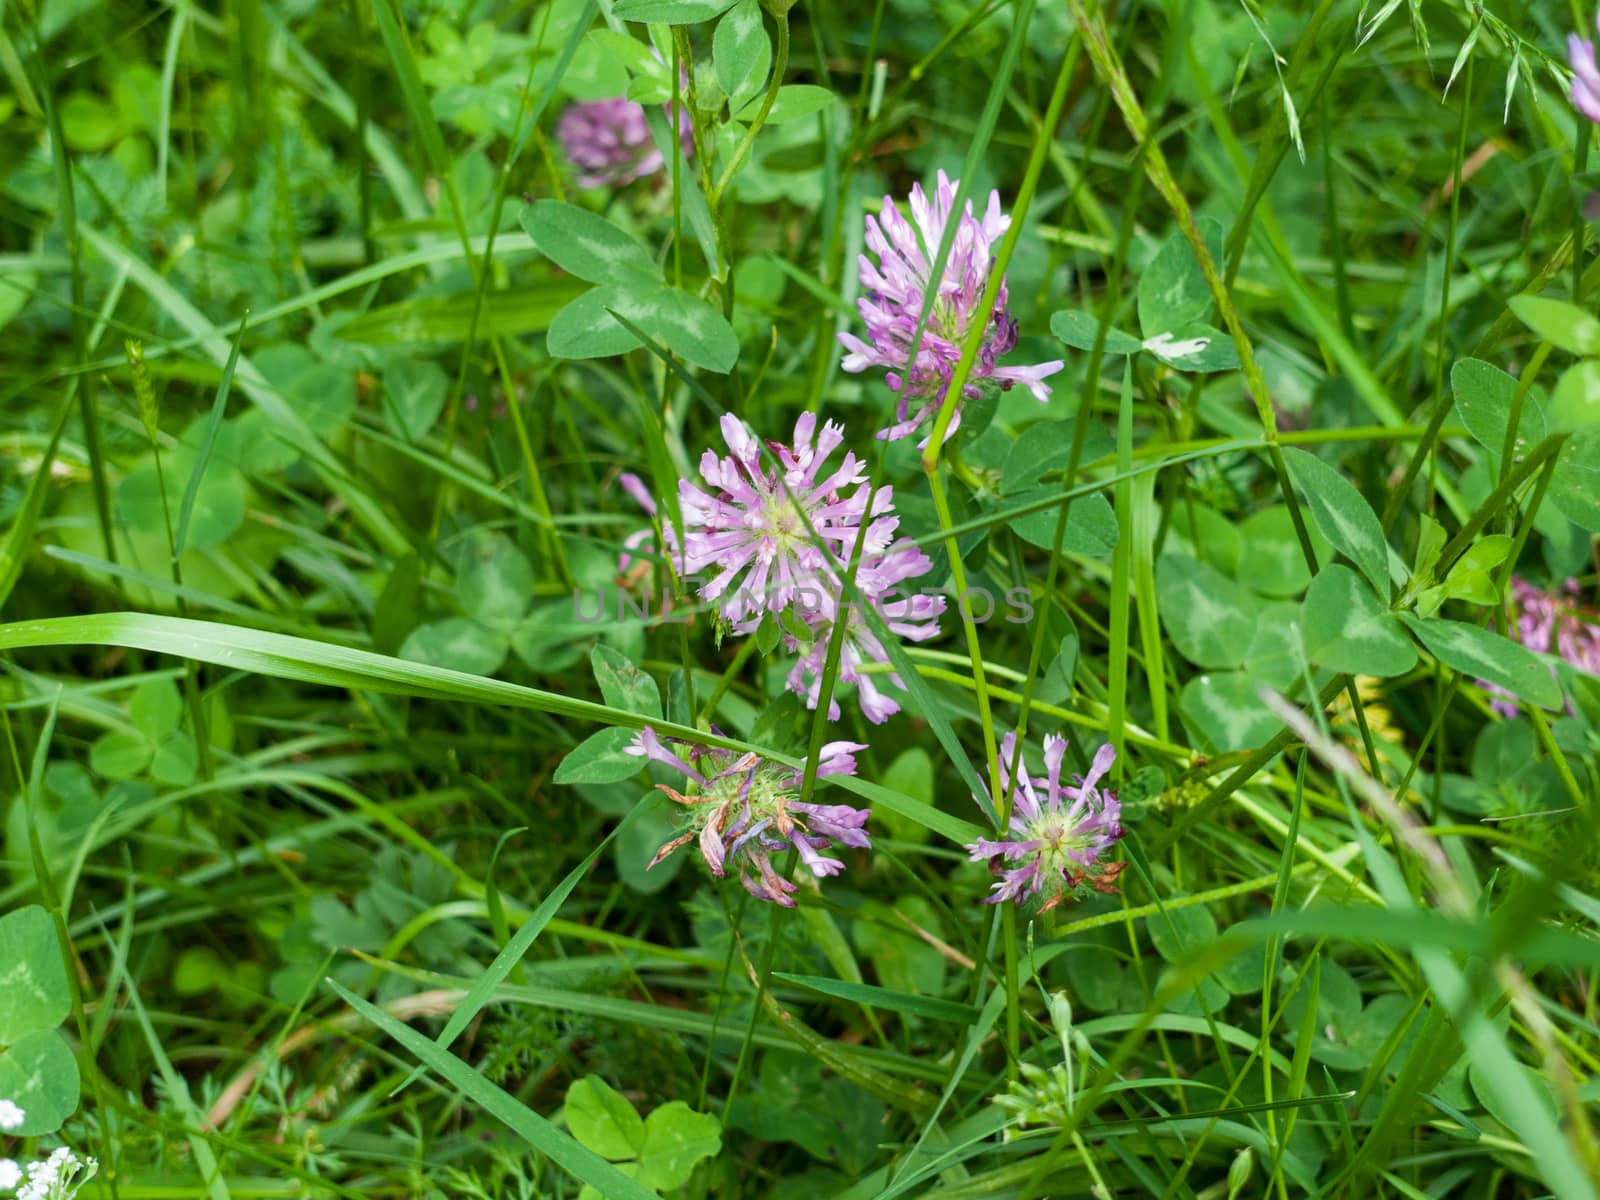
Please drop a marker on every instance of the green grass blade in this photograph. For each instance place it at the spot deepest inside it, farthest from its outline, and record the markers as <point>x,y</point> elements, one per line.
<point>904,1003</point>
<point>286,422</point>
<point>308,661</point>
<point>218,407</point>
<point>514,950</point>
<point>177,1089</point>
<point>578,1161</point>
<point>19,537</point>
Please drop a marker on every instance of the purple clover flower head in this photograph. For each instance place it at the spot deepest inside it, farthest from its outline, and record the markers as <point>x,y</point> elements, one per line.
<point>1059,833</point>
<point>751,527</point>
<point>744,808</point>
<point>897,287</point>
<point>1585,75</point>
<point>911,616</point>
<point>609,141</point>
<point>1548,623</point>
<point>776,540</point>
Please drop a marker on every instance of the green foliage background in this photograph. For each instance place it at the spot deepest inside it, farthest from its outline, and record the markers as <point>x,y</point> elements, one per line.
<point>324,869</point>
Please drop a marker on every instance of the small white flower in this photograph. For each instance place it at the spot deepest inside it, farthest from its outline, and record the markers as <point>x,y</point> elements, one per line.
<point>57,1177</point>
<point>1167,350</point>
<point>11,1116</point>
<point>10,1174</point>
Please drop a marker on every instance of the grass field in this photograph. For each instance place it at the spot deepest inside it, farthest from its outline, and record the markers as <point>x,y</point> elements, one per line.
<point>1085,509</point>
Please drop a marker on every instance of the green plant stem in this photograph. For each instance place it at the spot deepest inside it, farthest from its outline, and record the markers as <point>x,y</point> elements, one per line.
<point>740,657</point>
<point>780,64</point>
<point>991,756</point>
<point>978,330</point>
<point>1398,494</point>
<point>808,783</point>
<point>88,403</point>
<point>1108,64</point>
